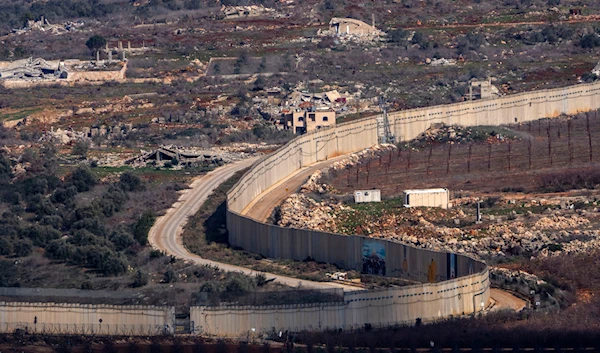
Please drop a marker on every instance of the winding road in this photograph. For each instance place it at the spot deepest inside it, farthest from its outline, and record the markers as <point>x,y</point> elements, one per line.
<point>165,235</point>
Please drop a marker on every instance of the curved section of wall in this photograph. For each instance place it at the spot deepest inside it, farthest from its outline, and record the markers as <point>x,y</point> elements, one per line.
<point>55,318</point>
<point>382,308</point>
<point>462,283</point>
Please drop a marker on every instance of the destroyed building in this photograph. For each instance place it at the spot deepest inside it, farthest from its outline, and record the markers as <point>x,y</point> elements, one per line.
<point>32,68</point>
<point>483,90</point>
<point>341,26</point>
<point>33,72</point>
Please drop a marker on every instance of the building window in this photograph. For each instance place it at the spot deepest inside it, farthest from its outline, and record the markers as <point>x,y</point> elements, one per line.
<point>312,117</point>
<point>300,119</point>
<point>325,118</point>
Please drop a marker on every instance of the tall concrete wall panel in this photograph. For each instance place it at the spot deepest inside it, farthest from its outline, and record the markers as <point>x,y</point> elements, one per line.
<point>53,318</point>
<point>408,124</point>
<point>386,307</point>
<point>452,294</point>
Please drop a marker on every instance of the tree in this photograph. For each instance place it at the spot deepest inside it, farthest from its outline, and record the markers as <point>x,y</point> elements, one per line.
<point>142,227</point>
<point>95,42</point>
<point>82,178</point>
<point>590,41</point>
<point>398,35</point>
<point>140,279</point>
<point>130,182</point>
<point>80,148</point>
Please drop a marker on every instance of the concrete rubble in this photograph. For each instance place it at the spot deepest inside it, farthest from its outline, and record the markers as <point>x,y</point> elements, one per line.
<point>357,157</point>
<point>197,156</point>
<point>451,134</point>
<point>43,25</point>
<point>232,12</point>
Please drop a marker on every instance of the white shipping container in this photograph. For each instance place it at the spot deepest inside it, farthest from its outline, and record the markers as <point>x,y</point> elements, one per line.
<point>427,198</point>
<point>367,196</point>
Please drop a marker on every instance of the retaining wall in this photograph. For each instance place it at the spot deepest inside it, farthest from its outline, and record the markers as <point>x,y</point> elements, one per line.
<point>450,296</point>
<point>54,318</point>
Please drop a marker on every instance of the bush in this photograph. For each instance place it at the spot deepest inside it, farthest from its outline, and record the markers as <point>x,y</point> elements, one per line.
<point>398,35</point>
<point>239,285</point>
<point>121,240</point>
<point>7,273</point>
<point>590,41</point>
<point>169,276</point>
<point>140,279</point>
<point>82,178</point>
<point>130,182</point>
<point>59,250</point>
<point>142,227</point>
<point>80,149</point>
<point>23,247</point>
<point>6,247</point>
<point>40,235</point>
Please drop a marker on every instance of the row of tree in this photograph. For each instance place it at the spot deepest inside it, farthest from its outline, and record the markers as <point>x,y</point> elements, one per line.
<point>43,211</point>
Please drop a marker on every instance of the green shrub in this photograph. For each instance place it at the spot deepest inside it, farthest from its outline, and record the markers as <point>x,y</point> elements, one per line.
<point>142,227</point>
<point>140,279</point>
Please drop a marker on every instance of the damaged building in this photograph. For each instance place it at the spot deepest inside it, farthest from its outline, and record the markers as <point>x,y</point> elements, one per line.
<point>31,72</point>
<point>32,68</point>
<point>341,26</point>
<point>483,90</point>
<point>172,154</point>
<point>301,120</point>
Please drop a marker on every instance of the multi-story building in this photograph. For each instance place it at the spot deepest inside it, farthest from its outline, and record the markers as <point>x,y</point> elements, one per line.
<point>301,121</point>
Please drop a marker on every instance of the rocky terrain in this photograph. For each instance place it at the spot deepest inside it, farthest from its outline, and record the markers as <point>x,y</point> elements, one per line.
<point>525,225</point>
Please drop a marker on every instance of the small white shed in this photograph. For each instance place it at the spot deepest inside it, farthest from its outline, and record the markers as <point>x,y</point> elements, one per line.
<point>427,198</point>
<point>367,196</point>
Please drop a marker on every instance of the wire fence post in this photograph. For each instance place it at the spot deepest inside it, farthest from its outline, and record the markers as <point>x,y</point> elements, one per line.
<point>469,159</point>
<point>448,160</point>
<point>569,141</point>
<point>489,156</point>
<point>549,144</point>
<point>529,151</point>
<point>587,123</point>
<point>509,150</point>
<point>429,158</point>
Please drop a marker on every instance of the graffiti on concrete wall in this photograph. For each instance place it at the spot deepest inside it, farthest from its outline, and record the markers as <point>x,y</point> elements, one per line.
<point>373,258</point>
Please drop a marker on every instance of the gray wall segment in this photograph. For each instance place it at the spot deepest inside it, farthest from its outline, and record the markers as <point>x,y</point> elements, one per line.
<point>55,318</point>
<point>429,302</point>
<point>450,270</point>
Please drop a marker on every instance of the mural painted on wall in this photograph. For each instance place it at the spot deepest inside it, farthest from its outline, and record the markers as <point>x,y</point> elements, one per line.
<point>431,272</point>
<point>452,268</point>
<point>373,258</point>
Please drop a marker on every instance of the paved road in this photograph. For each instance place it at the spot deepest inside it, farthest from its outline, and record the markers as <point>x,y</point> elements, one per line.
<point>264,204</point>
<point>165,235</point>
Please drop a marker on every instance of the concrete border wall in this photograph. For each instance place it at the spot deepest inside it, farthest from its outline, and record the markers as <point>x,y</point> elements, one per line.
<point>429,302</point>
<point>55,318</point>
<point>462,295</point>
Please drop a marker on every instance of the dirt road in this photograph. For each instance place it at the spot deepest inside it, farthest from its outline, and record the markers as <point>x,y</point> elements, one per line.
<point>165,235</point>
<point>262,206</point>
<point>506,300</point>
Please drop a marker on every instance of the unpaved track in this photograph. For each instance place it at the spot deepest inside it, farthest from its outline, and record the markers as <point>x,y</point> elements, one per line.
<point>262,206</point>
<point>165,235</point>
<point>506,300</point>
